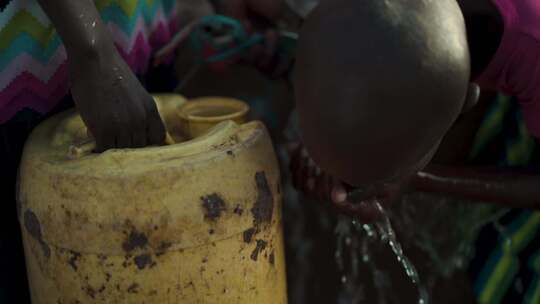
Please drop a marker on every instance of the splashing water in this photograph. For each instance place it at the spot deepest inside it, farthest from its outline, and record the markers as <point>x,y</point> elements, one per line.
<point>387,234</point>
<point>381,232</point>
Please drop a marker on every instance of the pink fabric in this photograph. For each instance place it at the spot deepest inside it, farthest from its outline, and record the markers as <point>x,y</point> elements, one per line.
<point>515,68</point>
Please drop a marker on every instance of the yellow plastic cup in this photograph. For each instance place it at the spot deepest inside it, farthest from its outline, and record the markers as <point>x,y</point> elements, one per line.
<point>202,114</point>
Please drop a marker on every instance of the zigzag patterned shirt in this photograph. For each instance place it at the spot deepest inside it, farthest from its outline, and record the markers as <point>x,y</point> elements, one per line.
<point>33,62</point>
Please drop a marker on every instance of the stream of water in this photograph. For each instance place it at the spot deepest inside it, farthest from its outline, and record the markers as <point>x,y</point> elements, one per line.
<point>371,235</point>
<point>388,235</point>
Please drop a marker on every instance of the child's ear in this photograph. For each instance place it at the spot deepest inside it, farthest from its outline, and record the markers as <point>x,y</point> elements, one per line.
<point>473,94</point>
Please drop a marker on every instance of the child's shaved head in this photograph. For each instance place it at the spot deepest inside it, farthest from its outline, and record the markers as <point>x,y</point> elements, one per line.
<point>379,82</point>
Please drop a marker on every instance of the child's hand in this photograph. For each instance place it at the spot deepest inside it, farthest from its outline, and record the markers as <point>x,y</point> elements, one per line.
<point>114,106</point>
<point>117,110</point>
<point>314,183</point>
<point>260,16</point>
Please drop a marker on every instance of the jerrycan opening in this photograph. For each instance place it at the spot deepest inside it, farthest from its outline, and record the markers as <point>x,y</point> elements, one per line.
<point>200,115</point>
<point>184,120</point>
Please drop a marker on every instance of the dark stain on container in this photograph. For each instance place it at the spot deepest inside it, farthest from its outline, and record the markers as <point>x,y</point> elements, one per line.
<point>135,240</point>
<point>264,206</point>
<point>213,206</point>
<point>272,258</point>
<point>248,235</point>
<point>163,247</point>
<point>127,261</point>
<point>238,210</point>
<point>133,288</point>
<point>143,260</point>
<point>102,289</point>
<point>33,227</point>
<point>261,245</point>
<point>73,259</point>
<point>90,291</point>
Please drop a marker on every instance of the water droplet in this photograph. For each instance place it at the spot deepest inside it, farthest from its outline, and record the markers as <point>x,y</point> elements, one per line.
<point>343,279</point>
<point>369,230</point>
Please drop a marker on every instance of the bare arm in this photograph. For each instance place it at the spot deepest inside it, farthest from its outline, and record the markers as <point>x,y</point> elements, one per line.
<point>116,108</point>
<point>506,187</point>
<point>80,26</point>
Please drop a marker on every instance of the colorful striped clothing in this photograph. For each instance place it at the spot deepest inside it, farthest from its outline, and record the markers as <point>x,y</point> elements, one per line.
<point>506,266</point>
<point>33,65</point>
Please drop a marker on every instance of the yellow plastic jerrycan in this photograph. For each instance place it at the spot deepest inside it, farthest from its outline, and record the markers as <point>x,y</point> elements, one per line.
<point>194,222</point>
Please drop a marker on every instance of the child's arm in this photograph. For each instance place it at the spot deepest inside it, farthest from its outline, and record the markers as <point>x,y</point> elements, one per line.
<point>507,187</point>
<point>116,108</point>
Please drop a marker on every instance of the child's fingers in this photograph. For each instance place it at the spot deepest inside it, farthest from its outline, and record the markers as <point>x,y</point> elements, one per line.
<point>139,136</point>
<point>310,180</point>
<point>339,193</point>
<point>123,138</point>
<point>365,211</point>
<point>105,141</point>
<point>155,132</point>
<point>324,189</point>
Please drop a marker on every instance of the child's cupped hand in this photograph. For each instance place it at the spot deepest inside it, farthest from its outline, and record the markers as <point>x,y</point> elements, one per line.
<point>316,184</point>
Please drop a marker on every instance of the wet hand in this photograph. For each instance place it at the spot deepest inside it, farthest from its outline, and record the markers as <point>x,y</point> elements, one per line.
<point>117,110</point>
<point>309,179</point>
<point>260,16</point>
